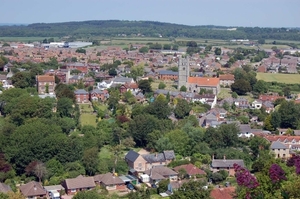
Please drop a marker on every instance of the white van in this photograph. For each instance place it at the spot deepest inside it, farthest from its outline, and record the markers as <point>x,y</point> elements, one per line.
<point>54,195</point>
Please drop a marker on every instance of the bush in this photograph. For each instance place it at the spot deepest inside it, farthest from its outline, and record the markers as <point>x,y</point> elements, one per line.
<point>153,191</point>
<point>178,163</point>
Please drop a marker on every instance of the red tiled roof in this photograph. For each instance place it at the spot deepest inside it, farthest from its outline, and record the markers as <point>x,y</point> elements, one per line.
<point>226,77</point>
<point>204,81</point>
<point>223,193</point>
<point>45,78</point>
<point>281,138</point>
<point>190,169</point>
<point>269,97</point>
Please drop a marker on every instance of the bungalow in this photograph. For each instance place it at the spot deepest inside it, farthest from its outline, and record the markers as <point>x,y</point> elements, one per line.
<point>158,173</point>
<point>110,182</point>
<point>190,169</point>
<point>81,183</point>
<point>224,164</point>
<point>224,193</point>
<point>33,190</point>
<point>82,96</point>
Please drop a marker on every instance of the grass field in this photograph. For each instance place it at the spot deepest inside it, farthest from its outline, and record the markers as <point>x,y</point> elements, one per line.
<point>277,77</point>
<point>86,115</point>
<point>169,85</point>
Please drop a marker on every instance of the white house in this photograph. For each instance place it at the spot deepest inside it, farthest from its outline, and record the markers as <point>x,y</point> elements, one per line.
<point>257,104</point>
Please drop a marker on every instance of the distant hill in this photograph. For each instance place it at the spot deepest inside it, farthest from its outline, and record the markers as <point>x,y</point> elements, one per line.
<point>112,28</point>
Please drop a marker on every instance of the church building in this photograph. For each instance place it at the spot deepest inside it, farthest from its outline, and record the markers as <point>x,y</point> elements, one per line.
<point>195,84</point>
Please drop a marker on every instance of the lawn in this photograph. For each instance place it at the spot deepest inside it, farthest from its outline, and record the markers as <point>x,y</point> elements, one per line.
<point>277,77</point>
<point>86,115</point>
<point>169,85</point>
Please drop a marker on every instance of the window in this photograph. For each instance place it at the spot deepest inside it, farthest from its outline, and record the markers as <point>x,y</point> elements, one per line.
<point>73,190</point>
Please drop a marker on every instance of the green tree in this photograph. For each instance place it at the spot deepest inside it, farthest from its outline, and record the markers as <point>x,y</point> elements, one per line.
<point>81,50</point>
<point>241,87</point>
<point>145,86</point>
<point>159,107</point>
<point>65,107</point>
<point>260,87</point>
<point>182,109</point>
<point>144,49</point>
<point>113,100</point>
<point>54,167</point>
<point>218,51</point>
<point>161,85</point>
<point>191,189</point>
<point>90,160</point>
<point>183,89</point>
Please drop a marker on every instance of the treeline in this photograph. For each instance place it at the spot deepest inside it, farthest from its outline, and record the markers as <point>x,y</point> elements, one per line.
<point>108,28</point>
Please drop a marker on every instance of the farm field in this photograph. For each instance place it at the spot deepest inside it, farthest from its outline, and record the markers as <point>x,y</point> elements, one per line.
<point>277,77</point>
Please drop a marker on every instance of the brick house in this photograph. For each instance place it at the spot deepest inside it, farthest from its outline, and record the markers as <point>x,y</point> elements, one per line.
<point>45,84</point>
<point>81,95</point>
<point>81,183</point>
<point>110,182</point>
<point>132,87</point>
<point>33,190</point>
<point>226,80</point>
<point>96,95</point>
<point>168,75</point>
<point>141,163</point>
<point>225,164</point>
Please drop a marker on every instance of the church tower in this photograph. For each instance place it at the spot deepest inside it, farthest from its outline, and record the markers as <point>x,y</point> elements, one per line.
<point>183,72</point>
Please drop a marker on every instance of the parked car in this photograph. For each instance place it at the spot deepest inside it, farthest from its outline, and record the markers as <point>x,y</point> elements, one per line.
<point>130,186</point>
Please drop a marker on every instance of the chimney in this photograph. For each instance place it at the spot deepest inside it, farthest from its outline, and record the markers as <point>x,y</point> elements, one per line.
<point>34,188</point>
<point>224,157</point>
<point>213,156</point>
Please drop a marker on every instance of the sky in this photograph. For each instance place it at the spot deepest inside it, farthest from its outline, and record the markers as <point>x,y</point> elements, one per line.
<point>247,13</point>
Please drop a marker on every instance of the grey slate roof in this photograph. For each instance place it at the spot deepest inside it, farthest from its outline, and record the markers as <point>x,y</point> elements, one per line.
<point>96,91</point>
<point>122,79</point>
<point>159,157</point>
<point>224,163</point>
<point>167,72</point>
<point>81,91</point>
<point>245,128</point>
<point>4,188</point>
<point>132,156</point>
<point>278,145</point>
<point>158,171</point>
<point>169,155</point>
